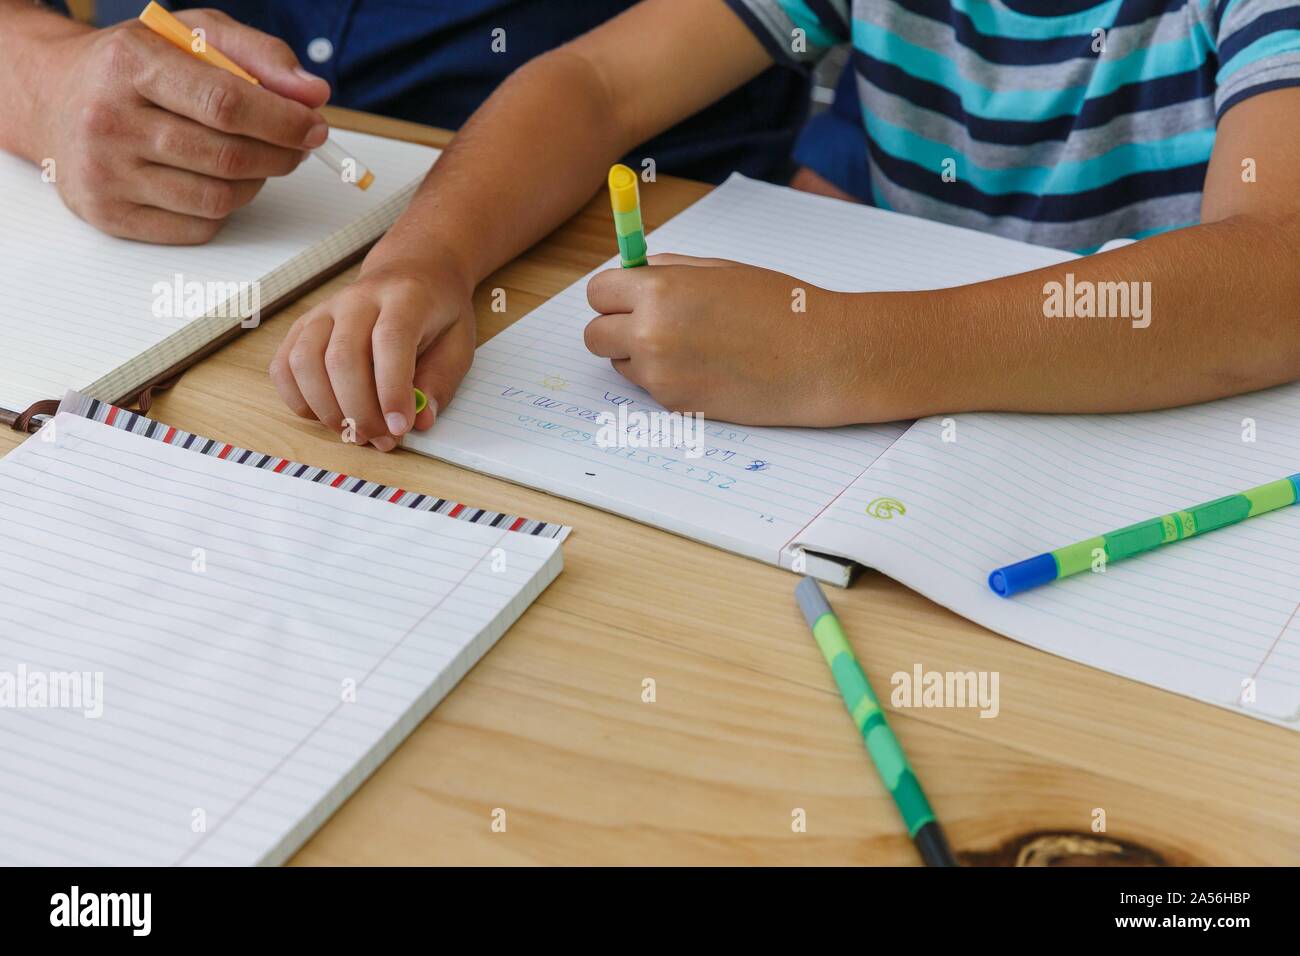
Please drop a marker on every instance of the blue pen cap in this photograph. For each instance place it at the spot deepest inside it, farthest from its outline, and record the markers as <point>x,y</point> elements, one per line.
<point>1023,575</point>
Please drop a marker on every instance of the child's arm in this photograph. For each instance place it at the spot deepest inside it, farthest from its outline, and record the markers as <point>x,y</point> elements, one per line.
<point>1223,317</point>
<point>526,161</point>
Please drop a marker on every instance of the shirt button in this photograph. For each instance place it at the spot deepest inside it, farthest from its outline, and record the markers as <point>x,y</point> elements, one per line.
<point>320,50</point>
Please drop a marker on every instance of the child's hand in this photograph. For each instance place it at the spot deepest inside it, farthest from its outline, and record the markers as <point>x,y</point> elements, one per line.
<point>731,341</point>
<point>356,358</point>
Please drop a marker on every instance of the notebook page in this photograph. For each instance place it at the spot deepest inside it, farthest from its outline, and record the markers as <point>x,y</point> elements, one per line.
<point>1198,617</point>
<point>79,305</point>
<point>263,643</point>
<point>528,410</point>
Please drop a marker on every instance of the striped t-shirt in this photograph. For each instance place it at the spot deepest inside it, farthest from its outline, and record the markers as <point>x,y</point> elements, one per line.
<point>1066,123</point>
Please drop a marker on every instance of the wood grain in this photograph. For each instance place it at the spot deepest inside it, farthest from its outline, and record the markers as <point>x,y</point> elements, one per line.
<point>746,727</point>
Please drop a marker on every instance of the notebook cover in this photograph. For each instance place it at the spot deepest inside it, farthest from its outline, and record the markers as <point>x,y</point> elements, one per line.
<point>142,396</point>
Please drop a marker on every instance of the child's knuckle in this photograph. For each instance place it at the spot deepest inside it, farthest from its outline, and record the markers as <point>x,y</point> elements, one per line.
<point>340,353</point>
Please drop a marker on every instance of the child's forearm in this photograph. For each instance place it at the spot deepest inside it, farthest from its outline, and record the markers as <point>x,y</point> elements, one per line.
<point>519,168</point>
<point>1220,316</point>
<point>543,142</point>
<point>1205,312</point>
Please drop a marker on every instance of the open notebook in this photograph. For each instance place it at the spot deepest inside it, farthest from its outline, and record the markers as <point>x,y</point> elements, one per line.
<point>109,317</point>
<point>204,653</point>
<point>1198,619</point>
<point>527,409</point>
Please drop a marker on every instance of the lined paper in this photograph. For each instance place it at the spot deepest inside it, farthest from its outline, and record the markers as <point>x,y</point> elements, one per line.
<point>1197,618</point>
<point>138,424</point>
<point>230,611</point>
<point>527,409</point>
<point>78,309</point>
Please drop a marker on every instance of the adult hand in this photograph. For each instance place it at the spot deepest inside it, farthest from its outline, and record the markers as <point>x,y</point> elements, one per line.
<point>152,143</point>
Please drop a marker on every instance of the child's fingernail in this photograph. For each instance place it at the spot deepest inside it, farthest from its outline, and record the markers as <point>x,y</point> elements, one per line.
<point>384,443</point>
<point>396,423</point>
<point>433,408</point>
<point>308,75</point>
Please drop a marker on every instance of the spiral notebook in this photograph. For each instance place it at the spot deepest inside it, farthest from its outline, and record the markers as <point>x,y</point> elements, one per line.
<point>110,317</point>
<point>938,503</point>
<point>204,651</point>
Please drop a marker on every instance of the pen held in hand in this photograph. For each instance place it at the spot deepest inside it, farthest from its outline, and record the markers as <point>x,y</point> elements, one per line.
<point>625,199</point>
<point>166,25</point>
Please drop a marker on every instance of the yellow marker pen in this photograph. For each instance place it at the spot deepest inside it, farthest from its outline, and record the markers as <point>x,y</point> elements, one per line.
<point>625,200</point>
<point>167,26</point>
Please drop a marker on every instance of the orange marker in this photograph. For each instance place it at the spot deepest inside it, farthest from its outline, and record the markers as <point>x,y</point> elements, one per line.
<point>162,22</point>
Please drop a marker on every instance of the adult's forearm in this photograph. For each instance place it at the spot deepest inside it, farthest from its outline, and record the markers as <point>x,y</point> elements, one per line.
<point>1205,312</point>
<point>27,33</point>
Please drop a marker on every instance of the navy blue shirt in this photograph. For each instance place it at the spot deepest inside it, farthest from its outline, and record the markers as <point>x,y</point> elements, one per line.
<point>431,61</point>
<point>834,143</point>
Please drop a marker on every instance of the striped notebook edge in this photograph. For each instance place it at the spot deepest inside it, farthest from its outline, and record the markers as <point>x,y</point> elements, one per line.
<point>105,413</point>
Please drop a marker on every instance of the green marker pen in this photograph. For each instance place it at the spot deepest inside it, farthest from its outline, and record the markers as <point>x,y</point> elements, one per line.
<point>626,202</point>
<point>1144,536</point>
<point>886,752</point>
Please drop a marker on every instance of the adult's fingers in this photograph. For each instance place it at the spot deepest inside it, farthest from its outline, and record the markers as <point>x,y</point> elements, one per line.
<point>187,86</point>
<point>268,58</point>
<point>150,224</point>
<point>185,144</point>
<point>177,190</point>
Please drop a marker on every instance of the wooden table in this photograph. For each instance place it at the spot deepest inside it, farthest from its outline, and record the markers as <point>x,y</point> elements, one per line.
<point>746,727</point>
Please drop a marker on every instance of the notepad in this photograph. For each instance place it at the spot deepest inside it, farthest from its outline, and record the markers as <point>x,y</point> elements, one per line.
<point>107,316</point>
<point>214,654</point>
<point>1213,618</point>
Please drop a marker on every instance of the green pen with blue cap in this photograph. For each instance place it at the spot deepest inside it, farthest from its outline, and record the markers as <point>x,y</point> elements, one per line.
<point>1144,536</point>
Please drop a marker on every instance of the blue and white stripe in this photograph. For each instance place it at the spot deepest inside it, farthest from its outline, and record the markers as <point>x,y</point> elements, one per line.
<point>1051,138</point>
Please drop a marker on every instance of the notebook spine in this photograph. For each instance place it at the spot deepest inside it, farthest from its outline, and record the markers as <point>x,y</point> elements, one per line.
<point>116,417</point>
